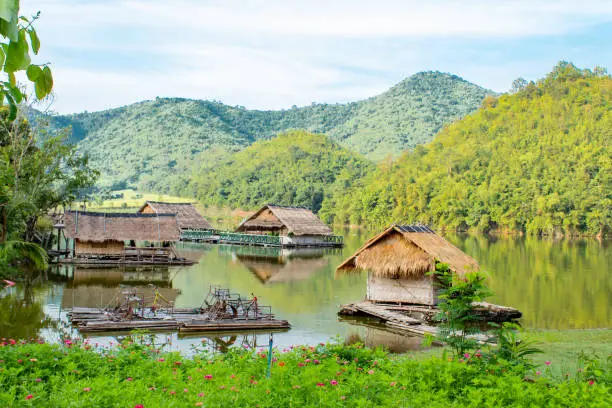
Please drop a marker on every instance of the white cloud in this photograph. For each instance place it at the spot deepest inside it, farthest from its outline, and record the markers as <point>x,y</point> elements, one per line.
<point>276,53</point>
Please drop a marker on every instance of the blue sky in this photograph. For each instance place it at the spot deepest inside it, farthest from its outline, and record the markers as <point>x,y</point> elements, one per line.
<point>272,54</point>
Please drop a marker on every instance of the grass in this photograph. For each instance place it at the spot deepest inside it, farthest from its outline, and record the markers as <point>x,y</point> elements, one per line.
<point>327,375</point>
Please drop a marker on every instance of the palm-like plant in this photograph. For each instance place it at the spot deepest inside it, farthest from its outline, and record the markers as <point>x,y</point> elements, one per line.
<point>14,250</point>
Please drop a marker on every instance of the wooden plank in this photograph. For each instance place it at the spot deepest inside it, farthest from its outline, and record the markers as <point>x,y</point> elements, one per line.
<point>384,313</point>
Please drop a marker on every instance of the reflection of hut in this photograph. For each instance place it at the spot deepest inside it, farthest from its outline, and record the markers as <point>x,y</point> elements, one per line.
<point>94,296</point>
<point>103,235</point>
<point>398,259</point>
<point>187,217</point>
<point>282,269</point>
<point>299,226</point>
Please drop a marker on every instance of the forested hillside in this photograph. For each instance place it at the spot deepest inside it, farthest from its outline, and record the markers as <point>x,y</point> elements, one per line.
<point>150,145</point>
<point>538,160</point>
<point>296,168</point>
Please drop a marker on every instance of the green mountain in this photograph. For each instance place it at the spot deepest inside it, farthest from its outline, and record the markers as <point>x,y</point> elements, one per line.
<point>537,161</point>
<point>295,168</point>
<point>150,145</point>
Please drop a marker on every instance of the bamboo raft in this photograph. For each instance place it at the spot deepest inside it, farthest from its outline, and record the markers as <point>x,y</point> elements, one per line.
<point>417,319</point>
<point>220,311</point>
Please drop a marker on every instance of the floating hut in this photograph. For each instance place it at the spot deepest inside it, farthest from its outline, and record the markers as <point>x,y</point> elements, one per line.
<point>398,261</point>
<point>101,237</point>
<point>295,226</point>
<point>187,217</point>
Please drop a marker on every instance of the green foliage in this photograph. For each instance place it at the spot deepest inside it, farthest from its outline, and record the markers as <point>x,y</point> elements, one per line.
<point>457,316</point>
<point>537,161</point>
<point>38,174</point>
<point>17,38</point>
<point>512,349</point>
<point>151,145</point>
<point>295,168</point>
<point>326,375</point>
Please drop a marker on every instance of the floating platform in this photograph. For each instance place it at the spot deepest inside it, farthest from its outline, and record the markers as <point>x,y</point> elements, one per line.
<point>231,324</point>
<point>417,319</point>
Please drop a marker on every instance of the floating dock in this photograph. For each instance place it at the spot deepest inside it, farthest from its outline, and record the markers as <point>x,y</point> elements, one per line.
<point>417,319</point>
<point>220,311</point>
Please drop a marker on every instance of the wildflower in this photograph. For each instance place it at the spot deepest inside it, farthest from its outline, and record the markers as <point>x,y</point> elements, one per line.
<point>20,361</point>
<point>29,397</point>
<point>591,382</point>
<point>33,360</point>
<point>371,372</point>
<point>392,384</point>
<point>547,363</point>
<point>139,406</point>
<point>343,397</point>
<point>201,394</point>
<point>172,392</point>
<point>222,387</point>
<point>320,385</point>
<point>307,360</point>
<point>316,361</point>
<point>86,389</point>
<point>253,382</point>
<point>152,389</point>
<point>466,355</point>
<point>178,363</point>
<point>233,376</point>
<point>208,376</point>
<point>333,382</point>
<point>281,364</point>
<point>300,364</point>
<point>185,390</point>
<point>67,342</point>
<point>538,372</point>
<point>295,387</point>
<point>128,379</point>
<point>161,360</point>
<point>199,404</point>
<point>38,380</point>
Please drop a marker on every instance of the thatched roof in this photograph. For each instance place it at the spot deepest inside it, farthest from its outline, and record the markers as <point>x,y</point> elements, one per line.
<point>100,227</point>
<point>403,251</point>
<point>186,214</point>
<point>297,220</point>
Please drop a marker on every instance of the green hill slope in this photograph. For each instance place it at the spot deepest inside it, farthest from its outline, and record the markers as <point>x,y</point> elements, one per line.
<point>539,161</point>
<point>149,145</point>
<point>296,168</point>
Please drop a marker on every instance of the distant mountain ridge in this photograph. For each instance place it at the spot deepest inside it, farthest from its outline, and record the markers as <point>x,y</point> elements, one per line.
<point>151,144</point>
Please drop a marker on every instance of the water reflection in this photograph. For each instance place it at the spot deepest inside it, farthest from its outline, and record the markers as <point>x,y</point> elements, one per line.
<point>556,284</point>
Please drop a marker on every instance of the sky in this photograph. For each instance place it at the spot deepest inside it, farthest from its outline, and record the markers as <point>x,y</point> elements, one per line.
<point>273,54</point>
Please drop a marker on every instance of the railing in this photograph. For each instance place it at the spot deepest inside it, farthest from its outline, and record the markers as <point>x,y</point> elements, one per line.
<point>197,235</point>
<point>334,239</point>
<point>249,239</point>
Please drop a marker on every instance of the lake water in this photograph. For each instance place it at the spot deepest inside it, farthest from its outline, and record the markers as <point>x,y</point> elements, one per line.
<point>556,284</point>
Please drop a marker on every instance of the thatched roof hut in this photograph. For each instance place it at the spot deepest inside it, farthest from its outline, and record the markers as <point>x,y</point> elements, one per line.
<point>101,227</point>
<point>398,259</point>
<point>295,221</point>
<point>186,214</point>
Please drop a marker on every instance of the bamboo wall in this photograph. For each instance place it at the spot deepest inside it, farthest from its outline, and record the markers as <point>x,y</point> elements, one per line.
<point>98,248</point>
<point>420,291</point>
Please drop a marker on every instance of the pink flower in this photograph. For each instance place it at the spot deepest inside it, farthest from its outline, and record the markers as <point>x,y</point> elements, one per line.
<point>201,394</point>
<point>392,384</point>
<point>128,379</point>
<point>343,397</point>
<point>185,390</point>
<point>38,380</point>
<point>161,360</point>
<point>466,355</point>
<point>222,387</point>
<point>138,406</point>
<point>178,363</point>
<point>371,372</point>
<point>591,382</point>
<point>538,372</point>
<point>547,362</point>
<point>199,404</point>
<point>67,342</point>
<point>86,389</point>
<point>172,392</point>
<point>316,361</point>
<point>29,397</point>
<point>320,385</point>
<point>300,364</point>
<point>333,382</point>
<point>208,376</point>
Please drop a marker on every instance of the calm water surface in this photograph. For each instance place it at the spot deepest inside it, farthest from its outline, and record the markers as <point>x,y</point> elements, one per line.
<point>556,284</point>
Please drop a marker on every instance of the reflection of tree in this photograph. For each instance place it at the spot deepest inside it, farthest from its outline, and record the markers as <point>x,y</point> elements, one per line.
<point>19,318</point>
